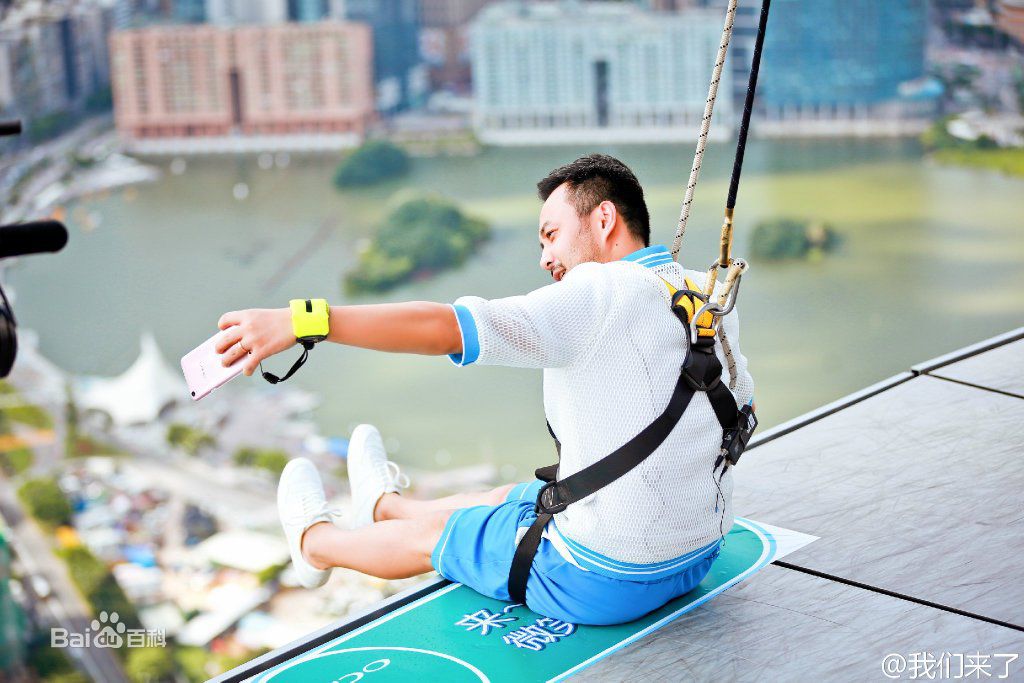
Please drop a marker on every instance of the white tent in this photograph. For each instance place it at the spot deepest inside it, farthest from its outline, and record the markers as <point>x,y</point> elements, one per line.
<point>141,392</point>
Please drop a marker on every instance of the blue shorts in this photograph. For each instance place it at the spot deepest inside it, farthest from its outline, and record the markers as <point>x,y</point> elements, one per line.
<point>478,543</point>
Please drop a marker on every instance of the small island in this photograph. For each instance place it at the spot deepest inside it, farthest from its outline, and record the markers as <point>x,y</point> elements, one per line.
<point>789,238</point>
<point>372,162</point>
<point>421,237</point>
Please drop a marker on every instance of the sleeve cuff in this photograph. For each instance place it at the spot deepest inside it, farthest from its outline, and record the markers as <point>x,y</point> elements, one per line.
<point>470,338</point>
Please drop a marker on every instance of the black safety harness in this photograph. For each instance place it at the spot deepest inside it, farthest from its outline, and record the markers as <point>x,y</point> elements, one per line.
<point>701,372</point>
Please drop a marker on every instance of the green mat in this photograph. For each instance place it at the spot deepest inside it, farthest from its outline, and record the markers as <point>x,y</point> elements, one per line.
<point>455,634</point>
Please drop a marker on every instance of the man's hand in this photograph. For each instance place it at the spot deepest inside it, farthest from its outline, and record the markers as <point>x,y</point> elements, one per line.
<point>256,332</point>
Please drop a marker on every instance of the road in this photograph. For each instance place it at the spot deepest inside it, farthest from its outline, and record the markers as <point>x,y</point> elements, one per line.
<point>65,608</point>
<point>56,150</point>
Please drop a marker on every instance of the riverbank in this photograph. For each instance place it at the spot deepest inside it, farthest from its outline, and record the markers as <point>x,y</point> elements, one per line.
<point>979,141</point>
<point>1008,161</point>
<point>87,160</point>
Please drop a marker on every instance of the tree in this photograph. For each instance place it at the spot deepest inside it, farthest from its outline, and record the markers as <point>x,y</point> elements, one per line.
<point>51,664</point>
<point>378,272</point>
<point>787,238</point>
<point>271,459</point>
<point>16,460</point>
<point>245,456</point>
<point>372,162</point>
<point>420,236</point>
<point>98,585</point>
<point>193,663</point>
<point>71,419</point>
<point>150,664</point>
<point>45,502</point>
<point>189,439</point>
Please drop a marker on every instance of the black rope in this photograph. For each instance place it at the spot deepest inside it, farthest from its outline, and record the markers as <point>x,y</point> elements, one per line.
<point>748,105</point>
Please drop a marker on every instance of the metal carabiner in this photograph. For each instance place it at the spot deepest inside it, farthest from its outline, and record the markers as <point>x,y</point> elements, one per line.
<point>709,306</point>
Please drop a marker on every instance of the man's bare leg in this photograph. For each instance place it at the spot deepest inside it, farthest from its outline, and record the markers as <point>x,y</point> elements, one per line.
<point>391,549</point>
<point>392,506</point>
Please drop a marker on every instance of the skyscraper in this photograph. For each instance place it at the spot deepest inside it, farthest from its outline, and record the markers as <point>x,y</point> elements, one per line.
<point>189,11</point>
<point>608,70</point>
<point>189,81</point>
<point>1010,15</point>
<point>232,12</point>
<point>444,41</point>
<point>54,60</point>
<point>399,78</point>
<point>840,58</point>
<point>307,10</point>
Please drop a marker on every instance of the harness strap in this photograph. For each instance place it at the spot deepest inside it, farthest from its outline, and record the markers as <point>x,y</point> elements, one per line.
<point>556,495</point>
<point>522,561</point>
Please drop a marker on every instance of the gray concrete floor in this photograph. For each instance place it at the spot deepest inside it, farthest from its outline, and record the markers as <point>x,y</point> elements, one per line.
<point>916,495</point>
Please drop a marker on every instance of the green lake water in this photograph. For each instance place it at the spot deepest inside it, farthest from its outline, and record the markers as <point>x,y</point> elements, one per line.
<point>932,260</point>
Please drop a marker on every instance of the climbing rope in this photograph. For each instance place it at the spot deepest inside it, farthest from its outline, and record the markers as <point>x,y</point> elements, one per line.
<point>735,267</point>
<point>705,126</point>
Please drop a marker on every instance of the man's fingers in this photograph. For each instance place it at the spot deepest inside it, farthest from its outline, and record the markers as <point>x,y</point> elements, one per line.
<point>227,339</point>
<point>250,365</point>
<point>232,355</point>
<point>228,319</point>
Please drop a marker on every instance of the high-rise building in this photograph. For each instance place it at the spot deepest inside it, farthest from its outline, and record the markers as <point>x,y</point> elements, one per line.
<point>53,59</point>
<point>1010,17</point>
<point>234,12</point>
<point>836,59</point>
<point>185,81</point>
<point>307,10</point>
<point>614,70</point>
<point>189,11</point>
<point>741,46</point>
<point>449,13</point>
<point>444,41</point>
<point>400,78</point>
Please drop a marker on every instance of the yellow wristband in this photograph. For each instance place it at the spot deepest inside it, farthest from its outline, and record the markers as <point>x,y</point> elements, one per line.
<point>310,318</point>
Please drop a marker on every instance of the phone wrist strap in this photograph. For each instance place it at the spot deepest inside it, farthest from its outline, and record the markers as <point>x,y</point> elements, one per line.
<point>274,379</point>
<point>311,324</point>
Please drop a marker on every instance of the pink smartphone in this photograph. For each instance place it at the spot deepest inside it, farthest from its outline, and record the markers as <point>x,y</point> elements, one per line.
<point>204,369</point>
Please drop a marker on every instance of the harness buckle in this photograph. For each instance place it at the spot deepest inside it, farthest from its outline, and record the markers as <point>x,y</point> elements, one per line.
<point>542,508</point>
<point>734,440</point>
<point>690,364</point>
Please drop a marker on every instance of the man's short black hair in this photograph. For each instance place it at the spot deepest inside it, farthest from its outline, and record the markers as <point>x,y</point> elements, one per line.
<point>598,177</point>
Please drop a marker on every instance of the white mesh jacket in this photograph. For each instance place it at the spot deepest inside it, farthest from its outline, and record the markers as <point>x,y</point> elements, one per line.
<point>611,350</point>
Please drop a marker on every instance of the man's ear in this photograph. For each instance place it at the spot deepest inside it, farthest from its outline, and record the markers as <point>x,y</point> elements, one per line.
<point>607,215</point>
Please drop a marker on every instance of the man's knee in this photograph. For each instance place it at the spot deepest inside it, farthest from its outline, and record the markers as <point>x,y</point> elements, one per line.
<point>499,494</point>
<point>433,528</point>
<point>436,522</point>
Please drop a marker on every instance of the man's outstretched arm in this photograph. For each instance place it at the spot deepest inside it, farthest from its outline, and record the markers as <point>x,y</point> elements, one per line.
<point>413,327</point>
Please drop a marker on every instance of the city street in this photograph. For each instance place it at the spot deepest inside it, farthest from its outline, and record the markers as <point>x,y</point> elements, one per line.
<point>65,608</point>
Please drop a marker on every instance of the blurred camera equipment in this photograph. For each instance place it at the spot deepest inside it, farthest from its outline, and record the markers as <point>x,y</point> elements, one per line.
<point>22,239</point>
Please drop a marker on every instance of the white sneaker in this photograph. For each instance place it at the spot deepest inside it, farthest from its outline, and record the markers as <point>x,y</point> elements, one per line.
<point>370,473</point>
<point>301,503</point>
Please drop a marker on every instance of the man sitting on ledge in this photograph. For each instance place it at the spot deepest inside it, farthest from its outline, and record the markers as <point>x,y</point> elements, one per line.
<point>611,350</point>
